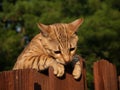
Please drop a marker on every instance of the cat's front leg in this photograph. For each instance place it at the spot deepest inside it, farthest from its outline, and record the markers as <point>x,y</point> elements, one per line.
<point>58,68</point>
<point>77,70</point>
<point>77,67</point>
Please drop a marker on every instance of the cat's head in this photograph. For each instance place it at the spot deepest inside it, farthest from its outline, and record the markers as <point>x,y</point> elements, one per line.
<point>60,40</point>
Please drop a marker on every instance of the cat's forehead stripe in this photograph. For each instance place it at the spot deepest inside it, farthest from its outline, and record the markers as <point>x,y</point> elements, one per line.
<point>61,33</point>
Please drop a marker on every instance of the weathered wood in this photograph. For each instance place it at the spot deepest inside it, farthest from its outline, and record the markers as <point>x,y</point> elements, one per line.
<point>16,80</point>
<point>28,79</point>
<point>41,81</point>
<point>105,76</point>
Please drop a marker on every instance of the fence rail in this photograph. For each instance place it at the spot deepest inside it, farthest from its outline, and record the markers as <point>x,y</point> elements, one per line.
<point>105,78</point>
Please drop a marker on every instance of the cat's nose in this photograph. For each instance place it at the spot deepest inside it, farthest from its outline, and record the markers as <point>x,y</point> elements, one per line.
<point>67,59</point>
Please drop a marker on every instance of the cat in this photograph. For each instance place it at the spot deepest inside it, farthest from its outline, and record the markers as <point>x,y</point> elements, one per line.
<point>54,46</point>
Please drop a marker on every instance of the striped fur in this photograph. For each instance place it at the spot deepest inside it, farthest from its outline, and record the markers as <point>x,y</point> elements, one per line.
<point>55,46</point>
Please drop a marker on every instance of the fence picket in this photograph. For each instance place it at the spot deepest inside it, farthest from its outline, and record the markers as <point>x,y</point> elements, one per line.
<point>105,76</point>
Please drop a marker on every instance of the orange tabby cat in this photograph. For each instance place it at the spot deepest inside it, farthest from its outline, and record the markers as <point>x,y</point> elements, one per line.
<point>55,46</point>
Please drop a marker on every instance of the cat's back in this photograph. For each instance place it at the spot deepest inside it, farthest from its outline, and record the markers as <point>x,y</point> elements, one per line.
<point>33,48</point>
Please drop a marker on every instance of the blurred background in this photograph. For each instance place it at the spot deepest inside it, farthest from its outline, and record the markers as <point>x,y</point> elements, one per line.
<point>99,35</point>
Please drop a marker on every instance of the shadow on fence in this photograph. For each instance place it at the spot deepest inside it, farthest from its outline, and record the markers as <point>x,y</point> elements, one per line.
<point>105,78</point>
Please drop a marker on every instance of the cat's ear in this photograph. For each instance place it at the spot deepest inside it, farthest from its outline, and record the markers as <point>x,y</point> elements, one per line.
<point>75,25</point>
<point>44,29</point>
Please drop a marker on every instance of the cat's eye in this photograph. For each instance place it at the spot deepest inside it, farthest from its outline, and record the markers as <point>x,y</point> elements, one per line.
<point>57,52</point>
<point>71,49</point>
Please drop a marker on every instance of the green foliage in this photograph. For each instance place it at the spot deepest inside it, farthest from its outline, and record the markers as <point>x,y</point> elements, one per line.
<point>9,48</point>
<point>98,36</point>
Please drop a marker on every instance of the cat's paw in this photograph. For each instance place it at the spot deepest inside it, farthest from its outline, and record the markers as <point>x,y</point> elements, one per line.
<point>76,72</point>
<point>58,69</point>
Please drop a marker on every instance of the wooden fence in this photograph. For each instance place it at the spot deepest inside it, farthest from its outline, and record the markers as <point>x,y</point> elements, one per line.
<point>105,78</point>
